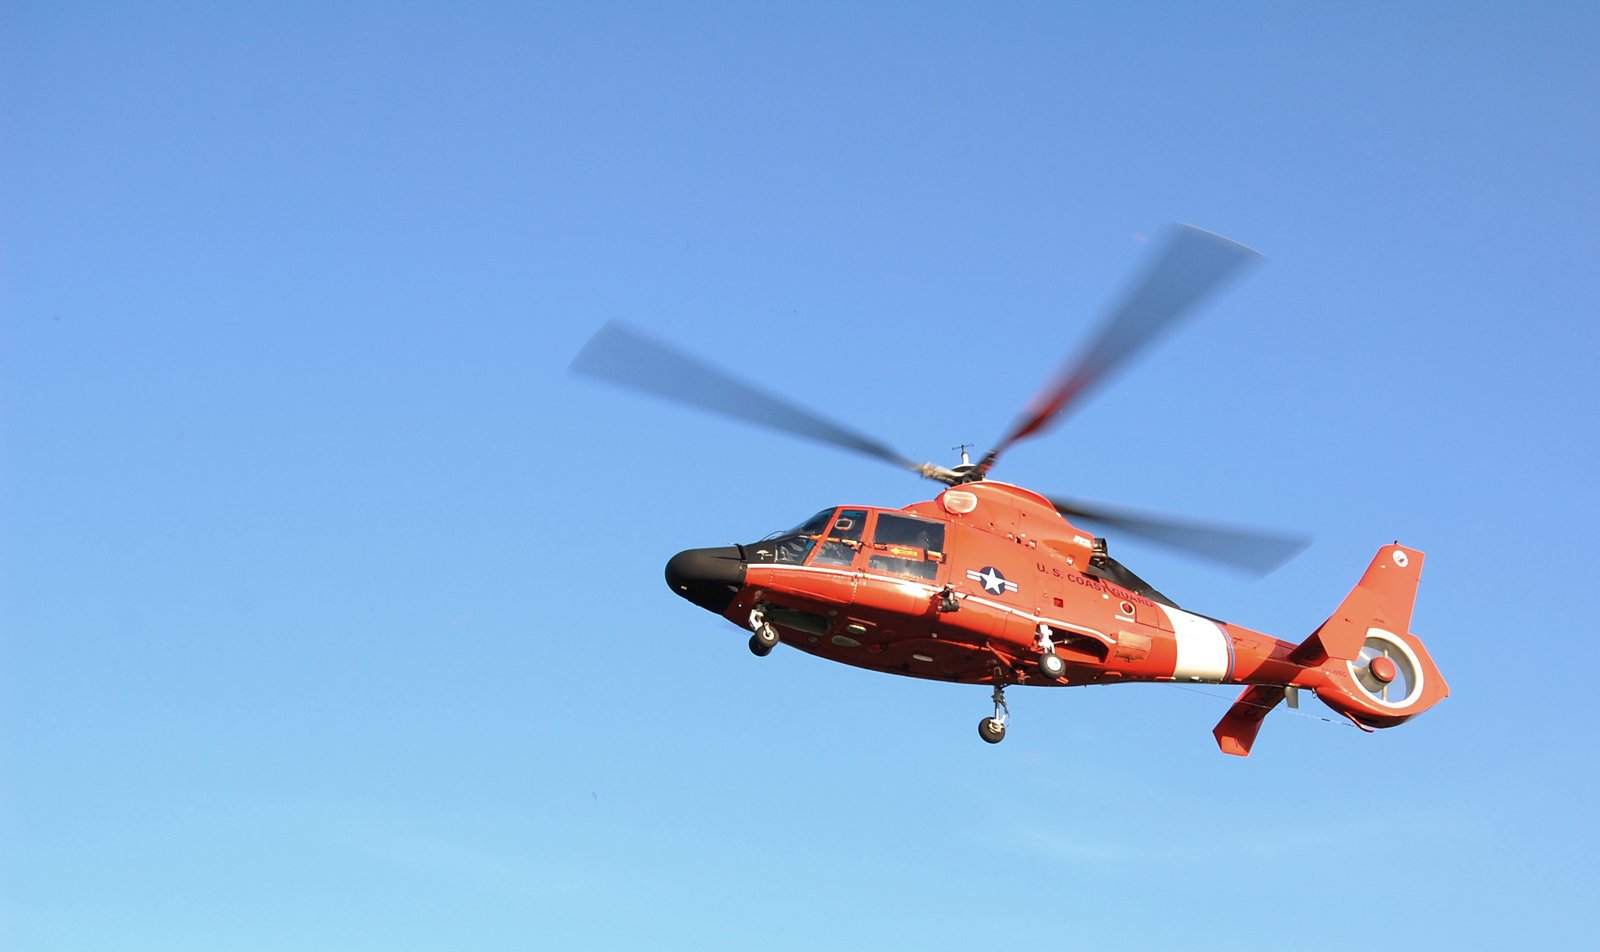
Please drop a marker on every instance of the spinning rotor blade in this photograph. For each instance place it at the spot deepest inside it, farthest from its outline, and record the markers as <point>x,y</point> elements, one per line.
<point>1248,549</point>
<point>625,357</point>
<point>1193,263</point>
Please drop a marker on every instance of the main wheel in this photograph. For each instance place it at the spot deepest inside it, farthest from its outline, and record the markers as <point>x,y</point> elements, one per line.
<point>758,647</point>
<point>1051,666</point>
<point>991,730</point>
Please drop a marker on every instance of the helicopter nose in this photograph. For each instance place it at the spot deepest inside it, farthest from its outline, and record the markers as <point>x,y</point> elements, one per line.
<point>708,577</point>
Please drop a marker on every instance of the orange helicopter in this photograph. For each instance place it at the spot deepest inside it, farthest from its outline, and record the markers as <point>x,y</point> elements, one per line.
<point>990,583</point>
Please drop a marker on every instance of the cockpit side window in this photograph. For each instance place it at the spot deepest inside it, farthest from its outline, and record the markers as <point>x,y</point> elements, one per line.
<point>905,545</point>
<point>844,538</point>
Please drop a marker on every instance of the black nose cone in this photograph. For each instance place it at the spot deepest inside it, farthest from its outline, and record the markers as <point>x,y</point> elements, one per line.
<point>708,577</point>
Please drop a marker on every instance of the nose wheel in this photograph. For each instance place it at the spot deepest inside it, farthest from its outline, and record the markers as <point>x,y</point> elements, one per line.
<point>993,729</point>
<point>765,637</point>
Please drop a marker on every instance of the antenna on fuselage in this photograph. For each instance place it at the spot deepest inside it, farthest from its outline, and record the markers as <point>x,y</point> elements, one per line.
<point>962,449</point>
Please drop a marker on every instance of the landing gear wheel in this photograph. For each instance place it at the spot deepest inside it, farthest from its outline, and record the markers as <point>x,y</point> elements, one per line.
<point>1051,666</point>
<point>993,729</point>
<point>763,641</point>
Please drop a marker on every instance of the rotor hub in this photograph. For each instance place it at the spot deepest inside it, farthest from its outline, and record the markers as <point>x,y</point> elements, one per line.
<point>1383,669</point>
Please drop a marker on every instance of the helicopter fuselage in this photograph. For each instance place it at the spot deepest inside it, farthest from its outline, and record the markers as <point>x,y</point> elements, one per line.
<point>1005,579</point>
<point>983,585</point>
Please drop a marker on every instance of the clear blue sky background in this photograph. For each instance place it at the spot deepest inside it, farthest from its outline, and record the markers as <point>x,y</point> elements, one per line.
<point>332,612</point>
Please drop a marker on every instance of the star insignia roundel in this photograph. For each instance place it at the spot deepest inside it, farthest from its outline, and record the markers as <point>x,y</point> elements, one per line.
<point>992,580</point>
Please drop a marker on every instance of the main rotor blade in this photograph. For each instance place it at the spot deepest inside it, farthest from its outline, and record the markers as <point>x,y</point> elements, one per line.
<point>1249,549</point>
<point>625,357</point>
<point>1192,264</point>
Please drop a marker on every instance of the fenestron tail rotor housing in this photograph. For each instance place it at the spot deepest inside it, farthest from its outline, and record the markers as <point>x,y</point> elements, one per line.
<point>1387,670</point>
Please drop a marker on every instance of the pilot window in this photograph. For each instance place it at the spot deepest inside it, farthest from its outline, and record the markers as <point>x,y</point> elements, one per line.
<point>905,545</point>
<point>844,538</point>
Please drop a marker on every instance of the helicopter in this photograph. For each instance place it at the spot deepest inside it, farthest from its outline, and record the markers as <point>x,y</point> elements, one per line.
<point>993,584</point>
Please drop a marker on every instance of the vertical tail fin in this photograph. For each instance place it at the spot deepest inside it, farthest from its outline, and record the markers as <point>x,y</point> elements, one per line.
<point>1382,599</point>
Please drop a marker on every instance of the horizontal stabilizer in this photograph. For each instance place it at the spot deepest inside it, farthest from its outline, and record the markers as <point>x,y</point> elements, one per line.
<point>1238,728</point>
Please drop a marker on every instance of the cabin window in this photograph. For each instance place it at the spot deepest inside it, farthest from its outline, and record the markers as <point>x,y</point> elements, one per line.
<point>908,546</point>
<point>844,538</point>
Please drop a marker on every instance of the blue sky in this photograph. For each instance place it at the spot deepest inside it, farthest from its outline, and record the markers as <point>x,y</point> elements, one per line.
<point>331,612</point>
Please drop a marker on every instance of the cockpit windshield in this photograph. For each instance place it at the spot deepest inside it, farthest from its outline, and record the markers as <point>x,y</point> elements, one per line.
<point>793,545</point>
<point>814,526</point>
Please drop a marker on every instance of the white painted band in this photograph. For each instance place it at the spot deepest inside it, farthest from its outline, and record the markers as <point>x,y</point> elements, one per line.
<point>1204,652</point>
